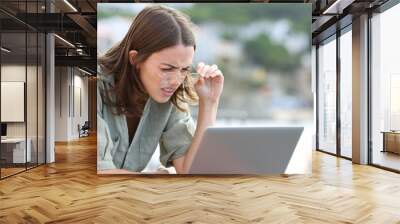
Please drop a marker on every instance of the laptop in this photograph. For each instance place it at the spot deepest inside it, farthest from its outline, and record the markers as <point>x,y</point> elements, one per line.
<point>248,150</point>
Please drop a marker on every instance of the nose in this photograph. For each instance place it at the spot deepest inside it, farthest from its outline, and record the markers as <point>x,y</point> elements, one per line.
<point>173,81</point>
<point>170,81</point>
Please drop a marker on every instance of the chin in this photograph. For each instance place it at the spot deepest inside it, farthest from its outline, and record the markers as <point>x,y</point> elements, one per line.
<point>160,96</point>
<point>161,99</point>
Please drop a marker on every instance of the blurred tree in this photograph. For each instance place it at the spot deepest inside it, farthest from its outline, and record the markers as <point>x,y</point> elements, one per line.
<point>271,55</point>
<point>299,15</point>
<point>229,35</point>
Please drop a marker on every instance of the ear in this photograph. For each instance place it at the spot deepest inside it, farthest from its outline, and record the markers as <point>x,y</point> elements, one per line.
<point>132,56</point>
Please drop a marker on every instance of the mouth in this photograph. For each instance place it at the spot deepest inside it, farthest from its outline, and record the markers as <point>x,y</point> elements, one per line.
<point>167,91</point>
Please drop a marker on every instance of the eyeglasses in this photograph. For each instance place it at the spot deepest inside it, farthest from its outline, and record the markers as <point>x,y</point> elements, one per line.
<point>167,76</point>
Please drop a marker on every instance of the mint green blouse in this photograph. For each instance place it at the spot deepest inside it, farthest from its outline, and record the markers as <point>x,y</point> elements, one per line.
<point>161,123</point>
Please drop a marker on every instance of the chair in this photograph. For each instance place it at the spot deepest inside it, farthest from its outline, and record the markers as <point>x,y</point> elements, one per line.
<point>84,130</point>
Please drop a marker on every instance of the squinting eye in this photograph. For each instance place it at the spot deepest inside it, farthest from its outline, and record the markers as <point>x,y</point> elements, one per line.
<point>167,69</point>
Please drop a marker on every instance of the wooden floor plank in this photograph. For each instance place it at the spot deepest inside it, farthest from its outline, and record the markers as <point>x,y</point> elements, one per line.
<point>70,191</point>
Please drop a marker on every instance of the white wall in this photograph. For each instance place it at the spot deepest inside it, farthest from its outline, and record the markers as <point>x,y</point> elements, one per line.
<point>33,126</point>
<point>79,117</point>
<point>61,103</point>
<point>12,73</point>
<point>69,85</point>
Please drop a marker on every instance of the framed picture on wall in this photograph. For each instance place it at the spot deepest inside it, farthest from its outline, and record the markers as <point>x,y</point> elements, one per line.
<point>12,101</point>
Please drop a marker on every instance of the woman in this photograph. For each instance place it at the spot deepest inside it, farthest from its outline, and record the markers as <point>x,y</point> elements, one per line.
<point>144,88</point>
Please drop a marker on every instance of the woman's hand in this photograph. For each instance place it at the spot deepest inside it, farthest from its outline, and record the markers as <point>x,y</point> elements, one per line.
<point>209,88</point>
<point>210,83</point>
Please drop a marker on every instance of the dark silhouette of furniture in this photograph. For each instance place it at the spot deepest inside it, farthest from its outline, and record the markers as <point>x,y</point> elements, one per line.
<point>84,129</point>
<point>391,141</point>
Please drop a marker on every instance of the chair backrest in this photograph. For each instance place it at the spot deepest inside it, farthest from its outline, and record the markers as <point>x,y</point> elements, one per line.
<point>86,125</point>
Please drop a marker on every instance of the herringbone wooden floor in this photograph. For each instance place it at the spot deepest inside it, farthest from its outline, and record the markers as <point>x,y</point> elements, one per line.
<point>69,191</point>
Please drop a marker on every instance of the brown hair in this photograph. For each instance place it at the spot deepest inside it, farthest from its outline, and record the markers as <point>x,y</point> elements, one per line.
<point>153,29</point>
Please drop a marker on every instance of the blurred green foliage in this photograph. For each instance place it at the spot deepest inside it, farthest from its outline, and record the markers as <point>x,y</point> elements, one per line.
<point>260,50</point>
<point>113,12</point>
<point>299,15</point>
<point>271,55</point>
